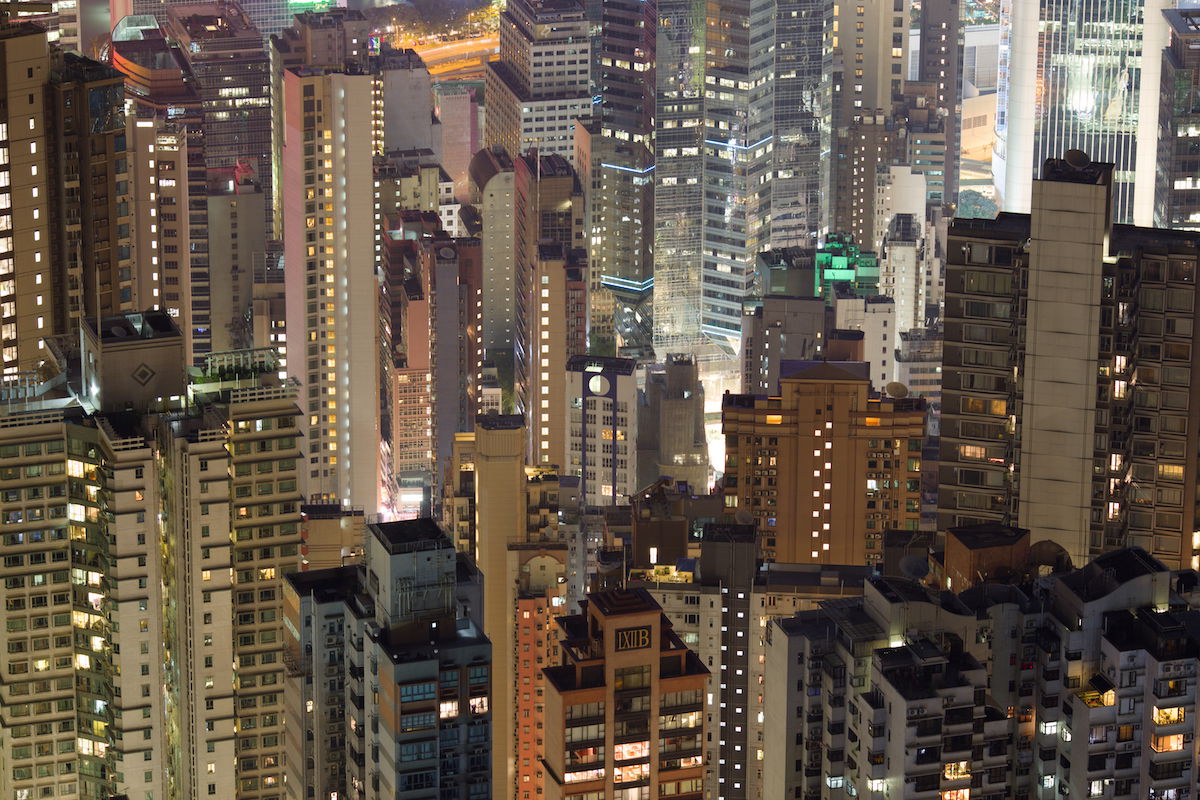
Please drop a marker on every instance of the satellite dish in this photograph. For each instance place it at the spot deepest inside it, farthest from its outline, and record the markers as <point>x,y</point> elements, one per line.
<point>743,517</point>
<point>896,389</point>
<point>1077,159</point>
<point>915,566</point>
<point>447,252</point>
<point>118,331</point>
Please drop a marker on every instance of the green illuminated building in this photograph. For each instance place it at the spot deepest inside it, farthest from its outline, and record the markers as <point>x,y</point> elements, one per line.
<point>840,261</point>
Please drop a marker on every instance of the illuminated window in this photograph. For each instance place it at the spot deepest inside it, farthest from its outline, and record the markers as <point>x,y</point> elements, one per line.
<point>774,419</point>
<point>872,422</point>
<point>1167,744</point>
<point>1168,716</point>
<point>957,770</point>
<point>956,794</point>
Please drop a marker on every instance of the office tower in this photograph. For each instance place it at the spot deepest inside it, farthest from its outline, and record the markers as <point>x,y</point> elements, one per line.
<point>670,433</point>
<point>906,692</point>
<point>541,84</point>
<point>389,672</point>
<point>601,448</point>
<point>558,329</point>
<point>458,105</point>
<point>781,327</point>
<point>795,184</point>
<point>876,318</point>
<point>1069,80</point>
<point>712,155</point>
<point>1081,432</point>
<point>269,17</point>
<point>625,707</point>
<point>615,150</point>
<point>1177,193</point>
<point>237,210</point>
<point>326,209</point>
<point>826,466</point>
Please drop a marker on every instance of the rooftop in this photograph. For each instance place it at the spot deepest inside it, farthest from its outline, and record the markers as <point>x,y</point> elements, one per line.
<point>987,535</point>
<point>586,363</point>
<point>406,535</point>
<point>128,327</point>
<point>825,371</point>
<point>617,602</point>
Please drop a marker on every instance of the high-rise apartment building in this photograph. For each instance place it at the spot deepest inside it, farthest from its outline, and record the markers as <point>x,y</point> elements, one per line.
<point>326,208</point>
<point>90,244</point>
<point>233,463</point>
<point>721,610</point>
<point>168,175</point>
<point>624,712</point>
<point>66,252</point>
<point>601,429</point>
<point>541,85</point>
<point>558,328</point>
<point>158,164</point>
<point>507,515</point>
<point>231,71</point>
<point>523,204</point>
<point>1068,80</point>
<point>389,672</point>
<point>863,59</point>
<point>825,466</point>
<point>911,693</point>
<point>1066,402</point>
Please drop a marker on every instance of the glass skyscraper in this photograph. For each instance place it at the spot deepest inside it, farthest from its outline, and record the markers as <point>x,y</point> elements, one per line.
<point>1072,77</point>
<point>714,150</point>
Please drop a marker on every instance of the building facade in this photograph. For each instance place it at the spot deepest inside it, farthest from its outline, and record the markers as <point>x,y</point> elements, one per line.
<point>624,710</point>
<point>1041,318</point>
<point>825,466</point>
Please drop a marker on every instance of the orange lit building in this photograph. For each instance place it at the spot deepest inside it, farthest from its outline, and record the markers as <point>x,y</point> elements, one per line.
<point>827,466</point>
<point>625,710</point>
